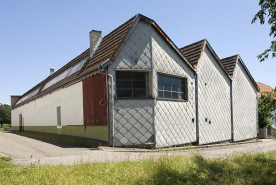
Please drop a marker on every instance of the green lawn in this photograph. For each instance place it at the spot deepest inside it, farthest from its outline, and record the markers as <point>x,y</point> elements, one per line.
<point>238,169</point>
<point>4,126</point>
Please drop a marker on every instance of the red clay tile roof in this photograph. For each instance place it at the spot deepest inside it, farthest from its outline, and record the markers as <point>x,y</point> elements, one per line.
<point>265,88</point>
<point>194,51</point>
<point>109,45</point>
<point>106,50</point>
<point>230,64</point>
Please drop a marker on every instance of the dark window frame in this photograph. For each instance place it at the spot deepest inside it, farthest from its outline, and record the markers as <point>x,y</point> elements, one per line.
<point>170,87</point>
<point>134,89</point>
<point>59,117</point>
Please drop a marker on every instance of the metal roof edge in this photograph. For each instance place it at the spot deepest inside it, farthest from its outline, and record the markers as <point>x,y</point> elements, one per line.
<point>217,58</point>
<point>61,85</point>
<point>128,33</point>
<point>151,21</point>
<point>247,71</point>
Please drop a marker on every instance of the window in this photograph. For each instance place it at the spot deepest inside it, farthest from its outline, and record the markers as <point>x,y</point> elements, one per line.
<point>58,117</point>
<point>69,71</point>
<point>172,88</point>
<point>132,84</point>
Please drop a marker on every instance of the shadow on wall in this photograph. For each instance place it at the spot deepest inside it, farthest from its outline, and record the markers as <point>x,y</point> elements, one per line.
<point>240,169</point>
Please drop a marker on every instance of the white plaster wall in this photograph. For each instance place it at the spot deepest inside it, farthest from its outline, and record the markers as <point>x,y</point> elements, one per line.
<point>213,100</point>
<point>244,105</point>
<point>133,118</point>
<point>43,111</point>
<point>173,120</point>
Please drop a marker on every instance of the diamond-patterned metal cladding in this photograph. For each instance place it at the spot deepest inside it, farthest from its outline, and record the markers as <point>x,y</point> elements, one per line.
<point>214,101</point>
<point>133,122</point>
<point>244,105</point>
<point>133,119</point>
<point>173,120</point>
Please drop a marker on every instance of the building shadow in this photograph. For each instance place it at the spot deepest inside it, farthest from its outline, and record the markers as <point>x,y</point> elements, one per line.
<point>62,141</point>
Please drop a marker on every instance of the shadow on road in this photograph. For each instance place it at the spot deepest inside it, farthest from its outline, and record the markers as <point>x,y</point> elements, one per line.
<point>63,142</point>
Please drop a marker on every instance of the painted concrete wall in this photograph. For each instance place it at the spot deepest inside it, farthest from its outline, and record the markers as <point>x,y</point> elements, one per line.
<point>133,118</point>
<point>40,115</point>
<point>244,105</point>
<point>173,119</point>
<point>94,132</point>
<point>43,111</point>
<point>273,120</point>
<point>214,108</point>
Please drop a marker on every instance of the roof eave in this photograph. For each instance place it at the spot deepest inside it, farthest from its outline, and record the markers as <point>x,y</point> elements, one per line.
<point>217,58</point>
<point>144,18</point>
<point>249,74</point>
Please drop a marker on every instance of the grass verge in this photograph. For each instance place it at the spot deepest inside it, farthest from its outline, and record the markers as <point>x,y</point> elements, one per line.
<point>4,126</point>
<point>237,169</point>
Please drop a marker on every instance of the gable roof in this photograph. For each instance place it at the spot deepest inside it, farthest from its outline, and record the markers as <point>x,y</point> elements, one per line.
<point>230,64</point>
<point>109,44</point>
<point>265,88</point>
<point>107,50</point>
<point>194,51</point>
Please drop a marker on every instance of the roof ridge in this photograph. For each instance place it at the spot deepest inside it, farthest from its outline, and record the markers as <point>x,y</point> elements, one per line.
<point>237,55</point>
<point>265,85</point>
<point>202,40</point>
<point>120,25</point>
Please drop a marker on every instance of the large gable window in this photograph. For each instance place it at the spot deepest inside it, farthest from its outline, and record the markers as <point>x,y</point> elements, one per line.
<point>132,84</point>
<point>172,88</point>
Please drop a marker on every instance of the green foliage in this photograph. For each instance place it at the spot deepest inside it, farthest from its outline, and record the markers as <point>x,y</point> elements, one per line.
<point>238,169</point>
<point>267,103</point>
<point>5,114</point>
<point>268,9</point>
<point>6,159</point>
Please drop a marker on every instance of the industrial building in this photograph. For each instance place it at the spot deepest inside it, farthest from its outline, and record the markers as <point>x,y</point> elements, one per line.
<point>135,87</point>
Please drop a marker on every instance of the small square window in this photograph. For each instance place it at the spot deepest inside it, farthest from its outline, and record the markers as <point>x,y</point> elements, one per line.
<point>132,84</point>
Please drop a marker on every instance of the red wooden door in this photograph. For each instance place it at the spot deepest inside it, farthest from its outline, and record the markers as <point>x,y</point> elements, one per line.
<point>95,100</point>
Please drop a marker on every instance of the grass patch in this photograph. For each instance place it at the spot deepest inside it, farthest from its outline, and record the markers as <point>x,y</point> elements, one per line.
<point>237,169</point>
<point>4,126</point>
<point>5,159</point>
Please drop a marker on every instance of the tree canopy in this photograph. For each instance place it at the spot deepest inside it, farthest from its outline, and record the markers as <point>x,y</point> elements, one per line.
<point>5,114</point>
<point>267,103</point>
<point>268,10</point>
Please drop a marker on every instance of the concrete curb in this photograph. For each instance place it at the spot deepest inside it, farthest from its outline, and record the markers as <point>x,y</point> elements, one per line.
<point>190,147</point>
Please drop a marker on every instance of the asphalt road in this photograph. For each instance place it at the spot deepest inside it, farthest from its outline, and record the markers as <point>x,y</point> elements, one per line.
<point>27,151</point>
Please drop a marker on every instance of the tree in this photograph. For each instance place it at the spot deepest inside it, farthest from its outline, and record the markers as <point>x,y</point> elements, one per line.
<point>267,103</point>
<point>5,114</point>
<point>268,9</point>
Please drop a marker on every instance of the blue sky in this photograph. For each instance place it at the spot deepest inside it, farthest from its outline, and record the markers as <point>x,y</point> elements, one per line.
<point>36,35</point>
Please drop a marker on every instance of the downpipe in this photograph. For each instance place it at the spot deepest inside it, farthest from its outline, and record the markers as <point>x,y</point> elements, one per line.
<point>112,104</point>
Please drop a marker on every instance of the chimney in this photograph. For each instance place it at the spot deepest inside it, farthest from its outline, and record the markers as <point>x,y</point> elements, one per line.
<point>95,40</point>
<point>52,70</point>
